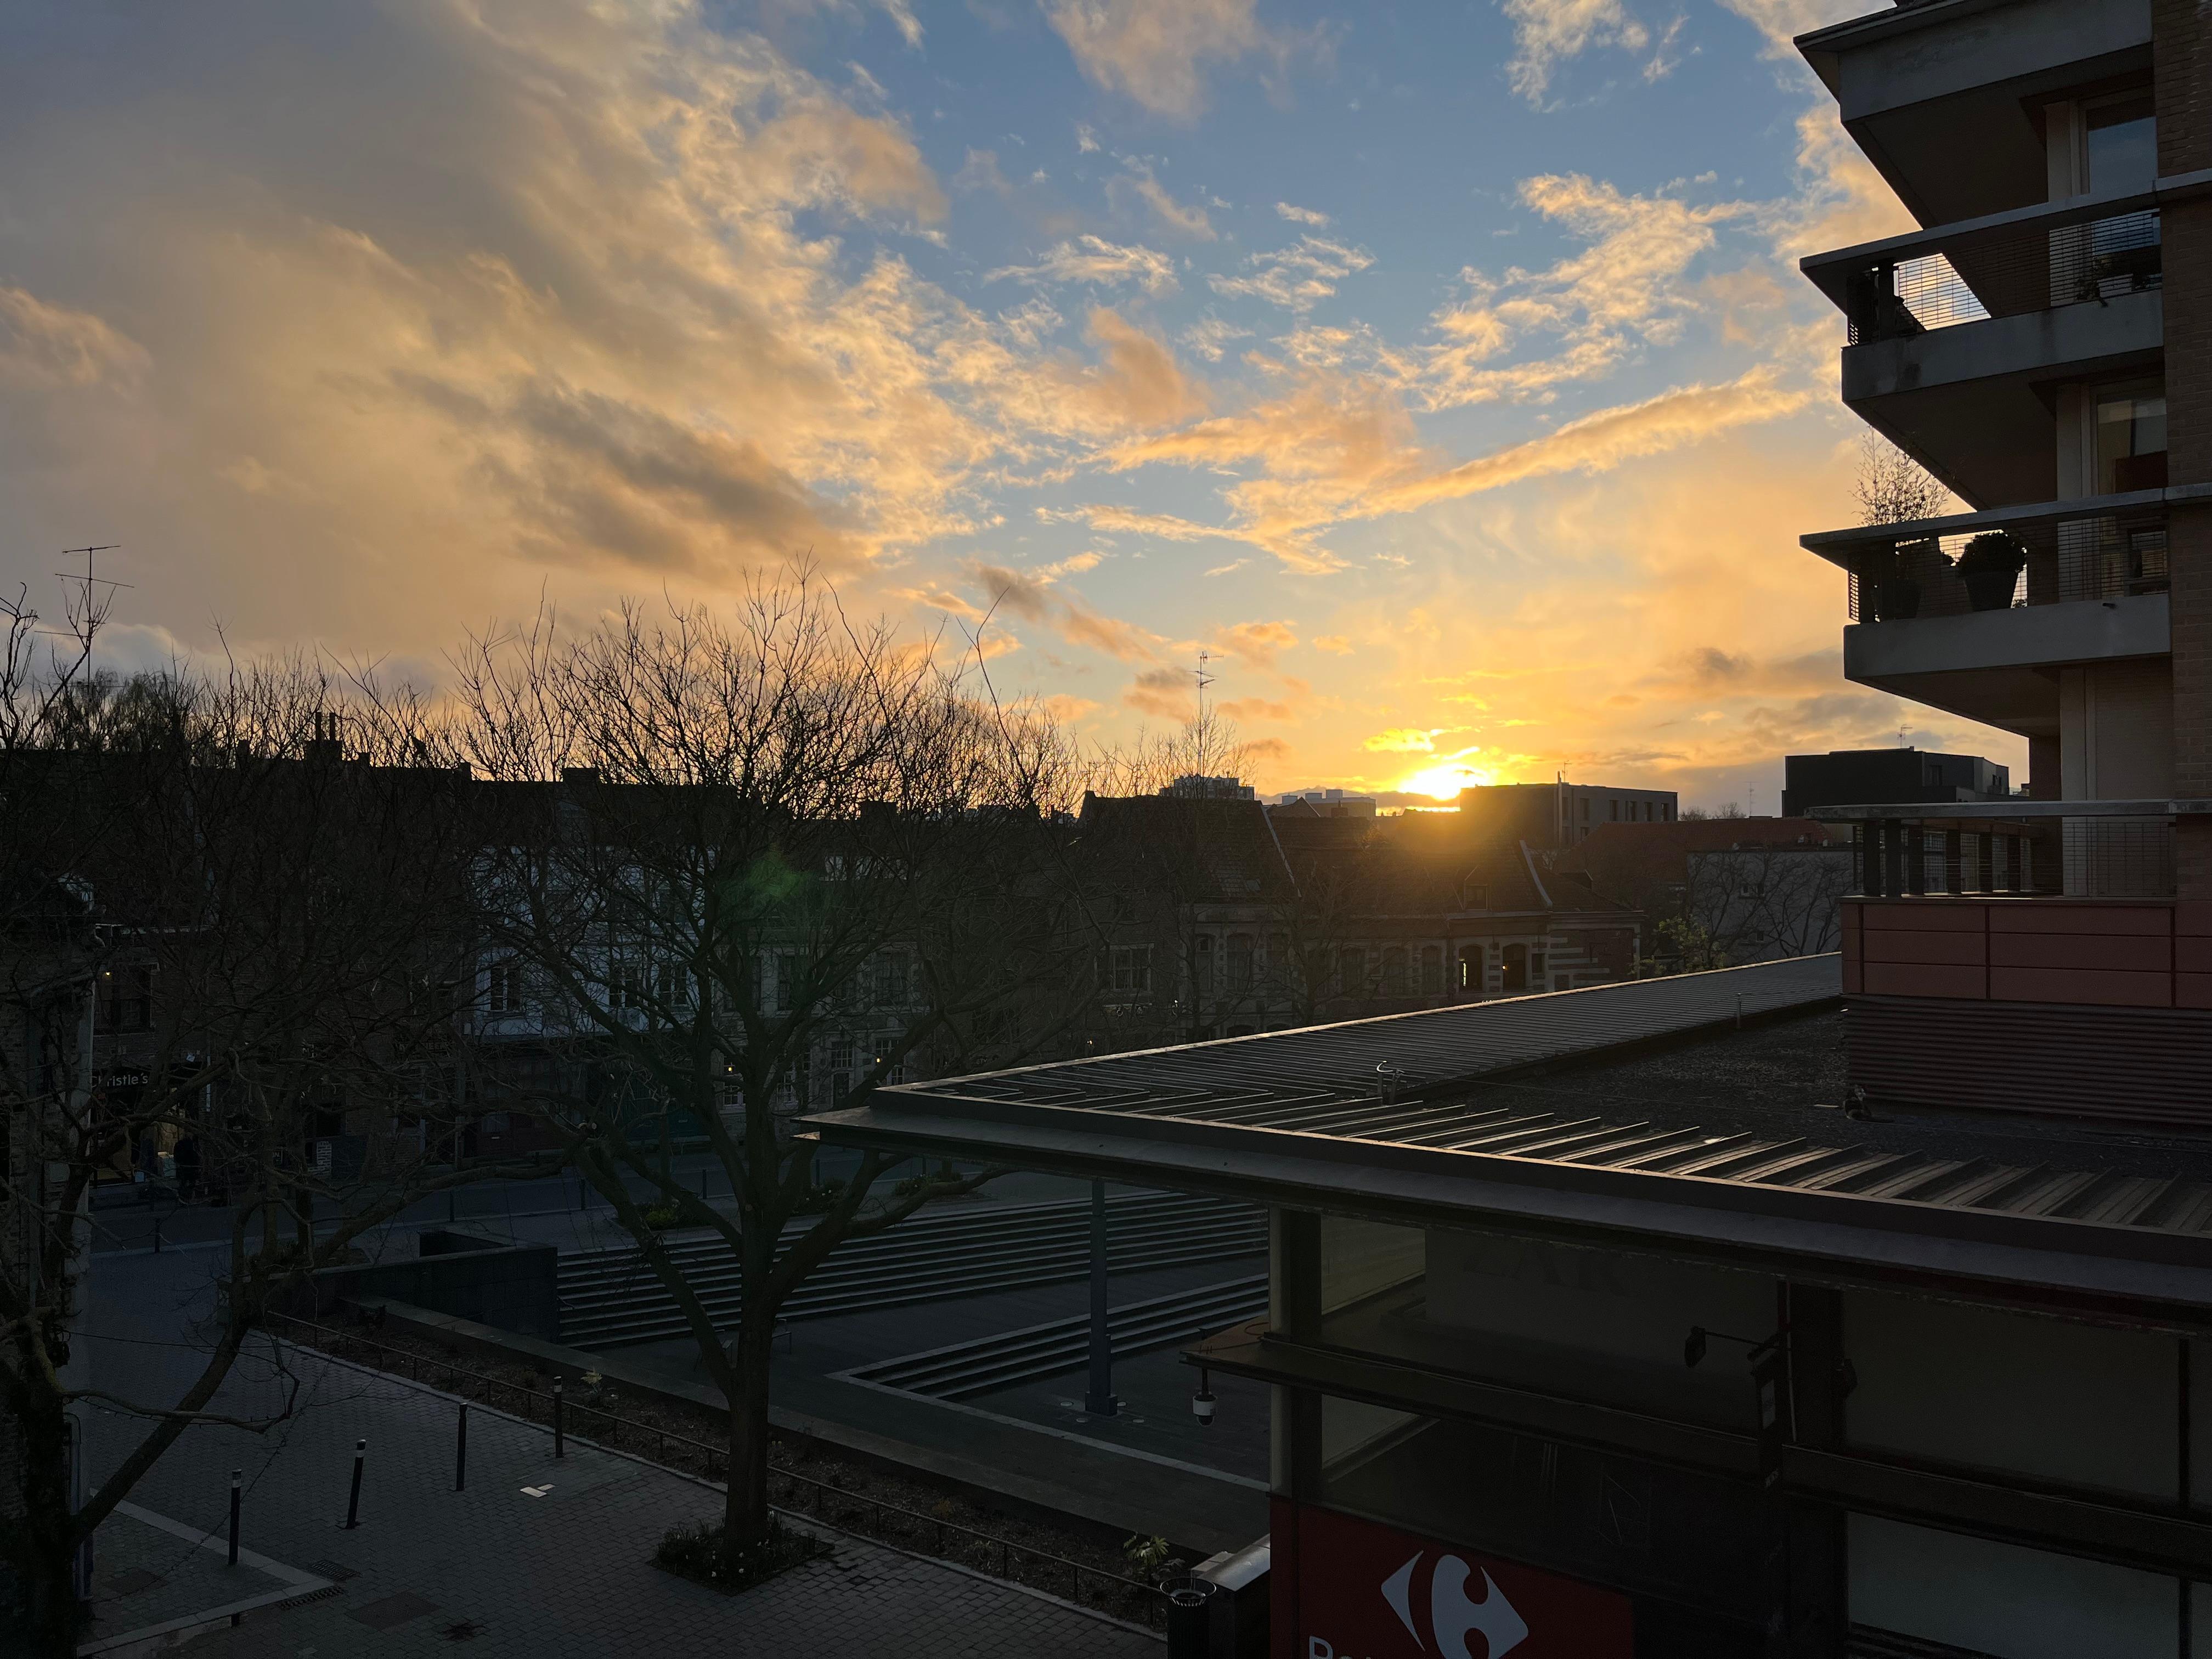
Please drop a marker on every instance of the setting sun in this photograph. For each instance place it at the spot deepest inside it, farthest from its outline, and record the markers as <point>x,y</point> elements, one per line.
<point>1444,779</point>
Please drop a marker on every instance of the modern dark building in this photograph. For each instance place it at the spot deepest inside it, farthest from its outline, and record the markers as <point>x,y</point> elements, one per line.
<point>1598,1328</point>
<point>2043,346</point>
<point>1864,777</point>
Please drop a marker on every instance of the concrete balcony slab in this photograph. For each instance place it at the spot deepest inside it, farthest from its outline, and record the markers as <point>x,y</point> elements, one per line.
<point>1994,666</point>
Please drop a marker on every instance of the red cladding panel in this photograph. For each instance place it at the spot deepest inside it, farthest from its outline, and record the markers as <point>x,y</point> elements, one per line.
<point>1371,1592</point>
<point>1922,916</point>
<point>2035,916</point>
<point>1904,979</point>
<point>2127,953</point>
<point>1956,949</point>
<point>2080,985</point>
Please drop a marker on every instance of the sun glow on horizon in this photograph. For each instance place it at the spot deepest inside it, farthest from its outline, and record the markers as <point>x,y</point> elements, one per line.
<point>1445,779</point>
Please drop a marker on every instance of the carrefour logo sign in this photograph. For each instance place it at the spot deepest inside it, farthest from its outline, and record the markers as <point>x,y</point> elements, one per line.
<point>1370,1592</point>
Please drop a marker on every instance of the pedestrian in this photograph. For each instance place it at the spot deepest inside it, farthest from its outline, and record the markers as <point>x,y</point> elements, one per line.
<point>188,1166</point>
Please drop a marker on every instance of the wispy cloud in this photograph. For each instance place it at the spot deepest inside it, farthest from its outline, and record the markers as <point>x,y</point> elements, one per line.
<point>1093,259</point>
<point>1296,278</point>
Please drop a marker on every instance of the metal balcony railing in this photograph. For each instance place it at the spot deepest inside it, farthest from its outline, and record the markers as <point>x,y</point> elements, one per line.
<point>2075,849</point>
<point>2101,547</point>
<point>2089,250</point>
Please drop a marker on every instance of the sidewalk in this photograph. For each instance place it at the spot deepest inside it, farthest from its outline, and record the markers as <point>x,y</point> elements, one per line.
<point>536,1557</point>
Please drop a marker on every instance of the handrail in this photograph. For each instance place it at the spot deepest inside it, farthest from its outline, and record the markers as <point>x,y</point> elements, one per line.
<point>1830,271</point>
<point>1156,1601</point>
<point>1831,544</point>
<point>2022,808</point>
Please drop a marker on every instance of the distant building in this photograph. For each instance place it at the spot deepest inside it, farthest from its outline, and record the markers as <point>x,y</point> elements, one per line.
<point>1328,803</point>
<point>1193,787</point>
<point>1555,815</point>
<point>1867,777</point>
<point>1758,888</point>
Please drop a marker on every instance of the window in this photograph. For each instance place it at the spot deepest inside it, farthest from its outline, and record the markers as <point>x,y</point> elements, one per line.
<point>503,988</point>
<point>1536,968</point>
<point>1202,964</point>
<point>890,980</point>
<point>2121,143</point>
<point>1585,809</point>
<point>1240,962</point>
<point>787,980</point>
<point>1352,970</point>
<point>1615,806</point>
<point>1432,970</point>
<point>2132,438</point>
<point>1394,971</point>
<point>626,983</point>
<point>672,985</point>
<point>126,999</point>
<point>841,1053</point>
<point>1130,969</point>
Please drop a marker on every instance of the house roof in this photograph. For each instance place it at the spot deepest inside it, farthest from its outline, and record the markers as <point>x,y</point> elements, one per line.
<point>1410,1117</point>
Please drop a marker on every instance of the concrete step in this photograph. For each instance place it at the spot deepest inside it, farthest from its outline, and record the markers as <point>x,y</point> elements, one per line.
<point>611,1298</point>
<point>965,1369</point>
<point>852,1269</point>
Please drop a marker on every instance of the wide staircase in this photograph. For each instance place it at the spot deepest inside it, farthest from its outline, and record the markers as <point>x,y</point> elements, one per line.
<point>1005,1359</point>
<point>612,1297</point>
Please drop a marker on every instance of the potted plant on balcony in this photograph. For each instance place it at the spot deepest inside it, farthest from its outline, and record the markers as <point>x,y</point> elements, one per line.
<point>1990,568</point>
<point>1887,593</point>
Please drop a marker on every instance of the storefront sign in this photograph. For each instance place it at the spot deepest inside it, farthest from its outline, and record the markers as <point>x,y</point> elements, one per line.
<point>1370,1592</point>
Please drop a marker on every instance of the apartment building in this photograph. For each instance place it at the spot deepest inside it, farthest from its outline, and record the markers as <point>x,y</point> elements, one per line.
<point>1862,777</point>
<point>1561,814</point>
<point>2044,347</point>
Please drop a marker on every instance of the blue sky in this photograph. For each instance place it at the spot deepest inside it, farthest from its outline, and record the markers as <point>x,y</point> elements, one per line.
<point>1441,371</point>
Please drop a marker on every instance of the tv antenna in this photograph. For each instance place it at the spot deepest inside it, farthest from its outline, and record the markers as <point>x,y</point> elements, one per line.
<point>1204,680</point>
<point>94,598</point>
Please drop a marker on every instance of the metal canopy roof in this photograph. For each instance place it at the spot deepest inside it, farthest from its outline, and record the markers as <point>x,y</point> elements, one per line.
<point>1258,1079</point>
<point>1376,1117</point>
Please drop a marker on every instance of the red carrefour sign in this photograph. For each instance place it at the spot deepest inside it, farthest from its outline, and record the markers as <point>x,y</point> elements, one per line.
<point>1370,1592</point>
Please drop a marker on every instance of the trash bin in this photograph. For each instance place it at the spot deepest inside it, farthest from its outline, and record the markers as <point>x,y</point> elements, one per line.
<point>1190,1617</point>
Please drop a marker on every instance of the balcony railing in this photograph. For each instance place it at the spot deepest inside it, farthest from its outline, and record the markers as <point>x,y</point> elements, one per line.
<point>2073,849</point>
<point>2089,250</point>
<point>2101,547</point>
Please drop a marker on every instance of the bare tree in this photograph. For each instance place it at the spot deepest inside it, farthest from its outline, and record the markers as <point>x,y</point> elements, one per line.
<point>220,930</point>
<point>1892,488</point>
<point>744,869</point>
<point>1761,903</point>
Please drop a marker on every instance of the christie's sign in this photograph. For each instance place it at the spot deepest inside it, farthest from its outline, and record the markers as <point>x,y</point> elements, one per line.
<point>1370,1592</point>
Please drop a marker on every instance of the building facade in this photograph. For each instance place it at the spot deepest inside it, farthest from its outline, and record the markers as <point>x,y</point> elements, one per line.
<point>1862,777</point>
<point>1567,1349</point>
<point>2043,347</point>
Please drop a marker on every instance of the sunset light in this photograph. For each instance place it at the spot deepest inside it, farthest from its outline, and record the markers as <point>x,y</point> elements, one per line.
<point>1444,779</point>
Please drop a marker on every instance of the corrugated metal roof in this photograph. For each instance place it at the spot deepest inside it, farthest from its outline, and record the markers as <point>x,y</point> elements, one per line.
<point>1431,1050</point>
<point>1332,1082</point>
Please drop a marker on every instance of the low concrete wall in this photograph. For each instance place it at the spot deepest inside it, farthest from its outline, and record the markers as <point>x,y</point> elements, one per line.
<point>1007,1491</point>
<point>513,1287</point>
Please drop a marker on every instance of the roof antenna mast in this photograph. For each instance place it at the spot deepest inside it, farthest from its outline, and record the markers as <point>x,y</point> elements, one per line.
<point>87,610</point>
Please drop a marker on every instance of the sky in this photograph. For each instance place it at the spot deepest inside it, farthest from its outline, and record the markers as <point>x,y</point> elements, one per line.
<point>1440,372</point>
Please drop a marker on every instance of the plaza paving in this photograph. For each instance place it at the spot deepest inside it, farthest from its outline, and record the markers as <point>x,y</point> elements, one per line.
<point>537,1556</point>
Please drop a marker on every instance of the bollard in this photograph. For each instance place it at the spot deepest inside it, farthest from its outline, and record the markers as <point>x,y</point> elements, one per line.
<point>557,1449</point>
<point>352,1502</point>
<point>157,1234</point>
<point>461,1452</point>
<point>236,1475</point>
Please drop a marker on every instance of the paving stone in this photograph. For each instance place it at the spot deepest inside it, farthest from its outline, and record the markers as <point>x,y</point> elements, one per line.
<point>566,1576</point>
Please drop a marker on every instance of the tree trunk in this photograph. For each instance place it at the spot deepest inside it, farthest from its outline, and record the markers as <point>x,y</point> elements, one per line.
<point>47,1552</point>
<point>745,1515</point>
